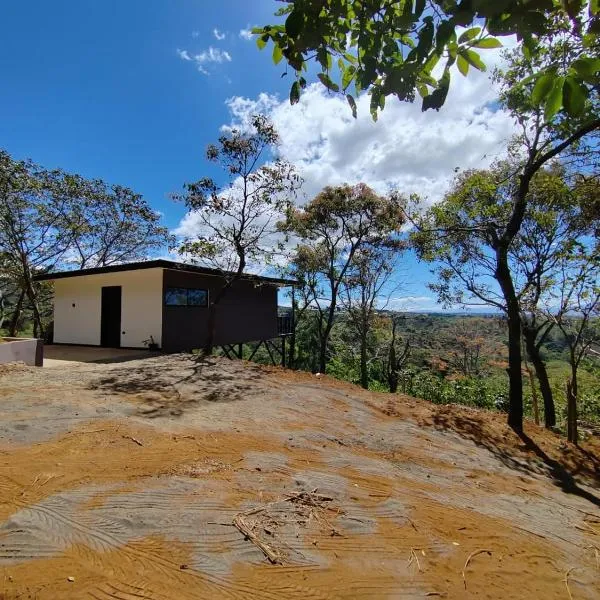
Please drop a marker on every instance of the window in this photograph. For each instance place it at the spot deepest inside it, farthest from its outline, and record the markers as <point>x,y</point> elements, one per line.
<point>186,297</point>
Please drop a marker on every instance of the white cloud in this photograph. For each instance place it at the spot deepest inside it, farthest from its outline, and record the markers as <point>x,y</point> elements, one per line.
<point>412,303</point>
<point>406,148</point>
<point>218,34</point>
<point>246,34</point>
<point>212,55</point>
<point>195,34</point>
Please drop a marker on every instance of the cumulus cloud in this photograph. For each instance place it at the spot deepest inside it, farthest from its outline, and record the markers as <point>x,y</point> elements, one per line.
<point>206,57</point>
<point>246,34</point>
<point>219,35</point>
<point>406,149</point>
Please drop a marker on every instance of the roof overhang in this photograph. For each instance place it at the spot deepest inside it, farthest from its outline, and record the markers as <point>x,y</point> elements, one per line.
<point>163,264</point>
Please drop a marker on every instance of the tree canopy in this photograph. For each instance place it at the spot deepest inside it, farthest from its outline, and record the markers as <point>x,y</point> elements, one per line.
<point>392,48</point>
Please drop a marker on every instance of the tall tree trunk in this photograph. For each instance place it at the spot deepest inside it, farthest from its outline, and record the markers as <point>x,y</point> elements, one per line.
<point>515,376</point>
<point>534,397</point>
<point>323,354</point>
<point>364,370</point>
<point>212,329</point>
<point>324,341</point>
<point>572,434</point>
<point>31,294</point>
<point>533,352</point>
<point>14,321</point>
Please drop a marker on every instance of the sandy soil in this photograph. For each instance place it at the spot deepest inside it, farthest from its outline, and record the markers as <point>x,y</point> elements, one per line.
<point>123,481</point>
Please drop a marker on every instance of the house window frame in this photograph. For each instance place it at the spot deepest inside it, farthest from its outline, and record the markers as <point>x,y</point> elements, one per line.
<point>187,304</point>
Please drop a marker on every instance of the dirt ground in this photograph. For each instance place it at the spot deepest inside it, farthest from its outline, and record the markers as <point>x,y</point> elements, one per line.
<point>166,478</point>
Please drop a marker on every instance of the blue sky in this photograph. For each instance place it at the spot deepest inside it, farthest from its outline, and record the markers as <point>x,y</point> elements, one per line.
<point>112,89</point>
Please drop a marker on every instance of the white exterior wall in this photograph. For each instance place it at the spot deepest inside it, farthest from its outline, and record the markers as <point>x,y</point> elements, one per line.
<point>141,307</point>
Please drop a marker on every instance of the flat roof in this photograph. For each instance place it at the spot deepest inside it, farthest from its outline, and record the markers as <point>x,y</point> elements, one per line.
<point>160,264</point>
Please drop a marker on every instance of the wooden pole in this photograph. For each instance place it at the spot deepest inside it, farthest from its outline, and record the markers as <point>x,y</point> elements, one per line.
<point>283,351</point>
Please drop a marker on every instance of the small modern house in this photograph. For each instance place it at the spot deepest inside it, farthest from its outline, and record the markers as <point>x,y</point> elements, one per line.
<point>128,305</point>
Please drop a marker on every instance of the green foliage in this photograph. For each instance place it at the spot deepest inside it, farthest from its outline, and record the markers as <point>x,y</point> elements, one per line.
<point>392,48</point>
<point>432,371</point>
<point>51,219</point>
<point>335,229</point>
<point>237,221</point>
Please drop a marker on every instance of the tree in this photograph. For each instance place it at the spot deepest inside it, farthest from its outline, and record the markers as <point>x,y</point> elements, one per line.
<point>464,235</point>
<point>391,48</point>
<point>368,274</point>
<point>332,228</point>
<point>51,219</point>
<point>31,236</point>
<point>237,221</point>
<point>468,347</point>
<point>109,224</point>
<point>396,358</point>
<point>577,316</point>
<point>302,297</point>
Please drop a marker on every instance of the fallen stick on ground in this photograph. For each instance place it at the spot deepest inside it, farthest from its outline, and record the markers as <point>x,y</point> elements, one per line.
<point>87,431</point>
<point>129,437</point>
<point>566,580</point>
<point>471,556</point>
<point>414,557</point>
<point>243,527</point>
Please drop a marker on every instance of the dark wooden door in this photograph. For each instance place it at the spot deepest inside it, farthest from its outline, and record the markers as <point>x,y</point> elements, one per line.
<point>110,320</point>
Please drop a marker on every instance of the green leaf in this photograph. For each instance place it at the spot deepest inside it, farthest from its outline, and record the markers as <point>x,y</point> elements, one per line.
<point>322,56</point>
<point>542,88</point>
<point>295,93</point>
<point>443,35</point>
<point>375,94</point>
<point>487,43</point>
<point>294,23</point>
<point>473,59</point>
<point>469,34</point>
<point>587,67</point>
<point>423,90</point>
<point>463,65</point>
<point>437,98</point>
<point>277,53</point>
<point>574,96</point>
<point>348,76</point>
<point>261,42</point>
<point>554,99</point>
<point>328,83</point>
<point>352,103</point>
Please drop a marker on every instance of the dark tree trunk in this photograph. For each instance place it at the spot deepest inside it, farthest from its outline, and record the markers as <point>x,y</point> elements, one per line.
<point>364,370</point>
<point>323,354</point>
<point>515,376</point>
<point>542,375</point>
<point>324,340</point>
<point>13,327</point>
<point>212,329</point>
<point>572,434</point>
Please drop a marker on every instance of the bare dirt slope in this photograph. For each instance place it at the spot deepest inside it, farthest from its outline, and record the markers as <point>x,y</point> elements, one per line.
<point>124,481</point>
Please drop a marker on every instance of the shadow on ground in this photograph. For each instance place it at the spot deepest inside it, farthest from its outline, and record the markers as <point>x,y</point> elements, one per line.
<point>569,463</point>
<point>170,385</point>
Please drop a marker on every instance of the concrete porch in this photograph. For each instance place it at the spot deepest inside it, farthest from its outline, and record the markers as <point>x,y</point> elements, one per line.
<point>57,355</point>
